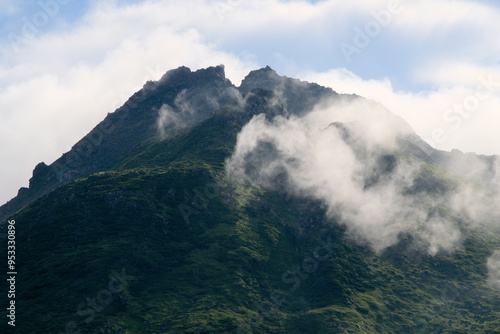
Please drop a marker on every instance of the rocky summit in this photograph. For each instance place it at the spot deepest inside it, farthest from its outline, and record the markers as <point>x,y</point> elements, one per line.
<point>279,206</point>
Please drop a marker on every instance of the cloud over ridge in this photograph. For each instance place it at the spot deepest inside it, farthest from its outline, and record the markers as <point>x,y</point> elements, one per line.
<point>353,156</point>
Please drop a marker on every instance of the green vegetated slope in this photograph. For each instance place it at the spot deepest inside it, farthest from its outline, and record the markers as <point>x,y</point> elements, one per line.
<point>239,257</point>
<point>181,249</point>
<point>165,242</point>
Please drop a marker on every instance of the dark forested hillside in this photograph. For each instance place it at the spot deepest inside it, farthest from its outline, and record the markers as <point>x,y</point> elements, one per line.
<point>278,206</point>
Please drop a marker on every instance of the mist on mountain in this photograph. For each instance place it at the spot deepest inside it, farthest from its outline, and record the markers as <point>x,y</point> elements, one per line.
<point>350,154</point>
<point>276,206</point>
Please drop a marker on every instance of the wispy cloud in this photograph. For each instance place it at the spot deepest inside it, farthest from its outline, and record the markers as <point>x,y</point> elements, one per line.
<point>348,165</point>
<point>350,154</point>
<point>459,113</point>
<point>65,79</point>
<point>51,100</point>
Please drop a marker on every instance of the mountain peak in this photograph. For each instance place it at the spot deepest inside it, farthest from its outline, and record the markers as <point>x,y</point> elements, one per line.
<point>266,69</point>
<point>263,78</point>
<point>298,96</point>
<point>234,212</point>
<point>184,74</point>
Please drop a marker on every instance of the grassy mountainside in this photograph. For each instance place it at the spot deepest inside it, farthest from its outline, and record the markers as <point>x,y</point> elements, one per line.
<point>130,127</point>
<point>155,258</point>
<point>164,241</point>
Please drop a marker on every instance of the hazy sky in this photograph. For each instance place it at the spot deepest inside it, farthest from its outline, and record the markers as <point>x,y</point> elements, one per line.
<point>64,64</point>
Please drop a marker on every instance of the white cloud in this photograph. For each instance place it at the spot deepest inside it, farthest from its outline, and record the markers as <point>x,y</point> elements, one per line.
<point>64,81</point>
<point>53,98</point>
<point>431,111</point>
<point>353,175</point>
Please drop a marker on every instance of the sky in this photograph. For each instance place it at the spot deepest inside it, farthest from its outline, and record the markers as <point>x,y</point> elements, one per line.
<point>65,64</point>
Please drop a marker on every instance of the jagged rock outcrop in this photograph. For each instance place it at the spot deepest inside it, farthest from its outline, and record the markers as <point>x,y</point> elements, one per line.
<point>130,127</point>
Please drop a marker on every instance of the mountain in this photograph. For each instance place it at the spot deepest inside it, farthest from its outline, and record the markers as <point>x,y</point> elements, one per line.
<point>278,206</point>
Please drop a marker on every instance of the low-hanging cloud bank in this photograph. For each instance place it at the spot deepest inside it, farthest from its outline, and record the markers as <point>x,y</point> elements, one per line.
<point>353,157</point>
